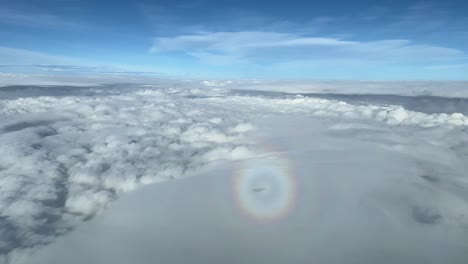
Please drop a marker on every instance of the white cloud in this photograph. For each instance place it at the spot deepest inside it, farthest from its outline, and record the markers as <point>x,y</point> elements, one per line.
<point>258,46</point>
<point>27,61</point>
<point>237,41</point>
<point>69,156</point>
<point>360,179</point>
<point>68,152</point>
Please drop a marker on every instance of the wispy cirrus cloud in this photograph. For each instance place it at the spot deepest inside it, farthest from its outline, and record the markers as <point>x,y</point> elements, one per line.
<point>262,46</point>
<point>21,60</point>
<point>434,18</point>
<point>237,41</point>
<point>59,69</point>
<point>15,56</point>
<point>26,18</point>
<point>430,21</point>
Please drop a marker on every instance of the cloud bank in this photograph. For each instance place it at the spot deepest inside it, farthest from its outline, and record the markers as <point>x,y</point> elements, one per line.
<point>324,191</point>
<point>69,152</point>
<point>63,159</point>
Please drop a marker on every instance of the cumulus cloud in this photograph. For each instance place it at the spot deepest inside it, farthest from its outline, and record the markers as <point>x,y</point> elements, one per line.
<point>63,159</point>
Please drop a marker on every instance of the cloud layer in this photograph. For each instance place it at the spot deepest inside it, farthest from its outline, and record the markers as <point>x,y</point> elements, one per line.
<point>318,186</point>
<point>68,152</point>
<point>63,159</point>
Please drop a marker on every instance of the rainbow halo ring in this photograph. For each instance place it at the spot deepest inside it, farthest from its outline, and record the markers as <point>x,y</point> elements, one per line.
<point>265,189</point>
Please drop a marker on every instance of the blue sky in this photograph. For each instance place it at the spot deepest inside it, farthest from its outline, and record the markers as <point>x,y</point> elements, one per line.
<point>351,40</point>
